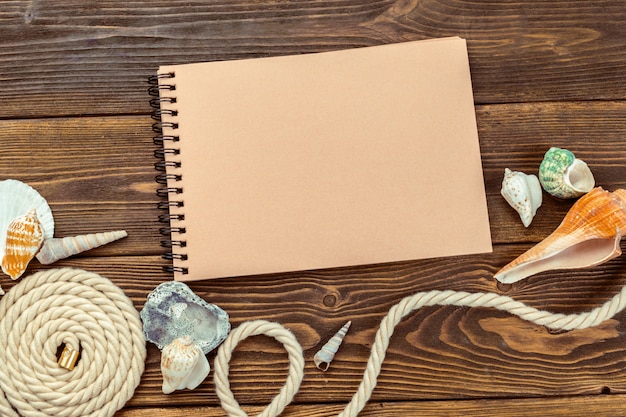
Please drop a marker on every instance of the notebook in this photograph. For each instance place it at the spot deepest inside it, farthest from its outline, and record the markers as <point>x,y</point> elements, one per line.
<point>343,158</point>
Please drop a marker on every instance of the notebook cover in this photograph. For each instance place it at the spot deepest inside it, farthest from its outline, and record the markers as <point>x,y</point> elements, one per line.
<point>331,159</point>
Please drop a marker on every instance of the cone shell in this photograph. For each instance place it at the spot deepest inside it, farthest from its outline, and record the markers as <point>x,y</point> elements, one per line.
<point>564,176</point>
<point>17,199</point>
<point>61,248</point>
<point>589,235</point>
<point>325,355</point>
<point>523,193</point>
<point>183,365</point>
<point>23,239</point>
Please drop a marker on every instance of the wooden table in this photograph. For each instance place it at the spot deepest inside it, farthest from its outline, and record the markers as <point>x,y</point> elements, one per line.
<point>75,124</point>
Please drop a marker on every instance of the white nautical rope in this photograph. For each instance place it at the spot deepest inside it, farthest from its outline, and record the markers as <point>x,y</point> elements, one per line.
<point>224,354</point>
<point>86,312</point>
<point>381,342</point>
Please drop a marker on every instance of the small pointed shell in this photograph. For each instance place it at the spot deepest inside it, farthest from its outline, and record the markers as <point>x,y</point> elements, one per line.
<point>589,235</point>
<point>23,239</point>
<point>61,248</point>
<point>523,193</point>
<point>325,355</point>
<point>183,365</point>
<point>563,175</point>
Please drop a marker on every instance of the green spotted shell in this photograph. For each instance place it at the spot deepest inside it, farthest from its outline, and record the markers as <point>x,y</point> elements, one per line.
<point>562,175</point>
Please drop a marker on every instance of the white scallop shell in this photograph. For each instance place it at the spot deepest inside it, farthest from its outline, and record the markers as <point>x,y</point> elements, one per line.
<point>523,193</point>
<point>183,365</point>
<point>17,199</point>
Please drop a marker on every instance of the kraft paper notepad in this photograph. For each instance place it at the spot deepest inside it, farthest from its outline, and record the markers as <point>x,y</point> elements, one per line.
<point>343,158</point>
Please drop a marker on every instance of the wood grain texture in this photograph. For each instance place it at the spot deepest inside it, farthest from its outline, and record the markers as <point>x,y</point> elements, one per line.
<point>516,136</point>
<point>74,123</point>
<point>68,58</point>
<point>95,172</point>
<point>605,405</point>
<point>437,353</point>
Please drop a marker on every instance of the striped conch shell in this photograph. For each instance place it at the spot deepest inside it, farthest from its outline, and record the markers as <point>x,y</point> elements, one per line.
<point>60,248</point>
<point>563,175</point>
<point>23,240</point>
<point>325,355</point>
<point>17,199</point>
<point>523,193</point>
<point>589,235</point>
<point>183,365</point>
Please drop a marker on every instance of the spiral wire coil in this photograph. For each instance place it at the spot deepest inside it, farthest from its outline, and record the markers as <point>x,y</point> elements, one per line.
<point>161,93</point>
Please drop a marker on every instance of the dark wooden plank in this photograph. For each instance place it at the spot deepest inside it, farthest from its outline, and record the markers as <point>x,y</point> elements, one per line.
<point>604,405</point>
<point>437,350</point>
<point>517,136</point>
<point>433,353</point>
<point>100,169</point>
<point>97,172</point>
<point>562,62</point>
<point>60,59</point>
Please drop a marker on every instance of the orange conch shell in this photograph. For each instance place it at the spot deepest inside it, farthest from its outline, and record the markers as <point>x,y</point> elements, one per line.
<point>589,235</point>
<point>23,240</point>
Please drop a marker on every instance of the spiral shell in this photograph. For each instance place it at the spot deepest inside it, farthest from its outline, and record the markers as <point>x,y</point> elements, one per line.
<point>24,237</point>
<point>60,248</point>
<point>563,175</point>
<point>589,235</point>
<point>325,355</point>
<point>523,193</point>
<point>183,365</point>
<point>16,199</point>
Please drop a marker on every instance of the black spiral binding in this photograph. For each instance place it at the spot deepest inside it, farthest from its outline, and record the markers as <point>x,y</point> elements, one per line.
<point>165,145</point>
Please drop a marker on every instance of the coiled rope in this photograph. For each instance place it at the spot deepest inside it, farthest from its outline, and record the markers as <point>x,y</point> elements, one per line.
<point>82,310</point>
<point>381,342</point>
<point>296,366</point>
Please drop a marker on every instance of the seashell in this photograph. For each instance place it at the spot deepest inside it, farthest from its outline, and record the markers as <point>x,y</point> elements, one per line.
<point>173,310</point>
<point>589,235</point>
<point>16,199</point>
<point>523,193</point>
<point>325,355</point>
<point>183,365</point>
<point>24,237</point>
<point>563,175</point>
<point>60,248</point>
